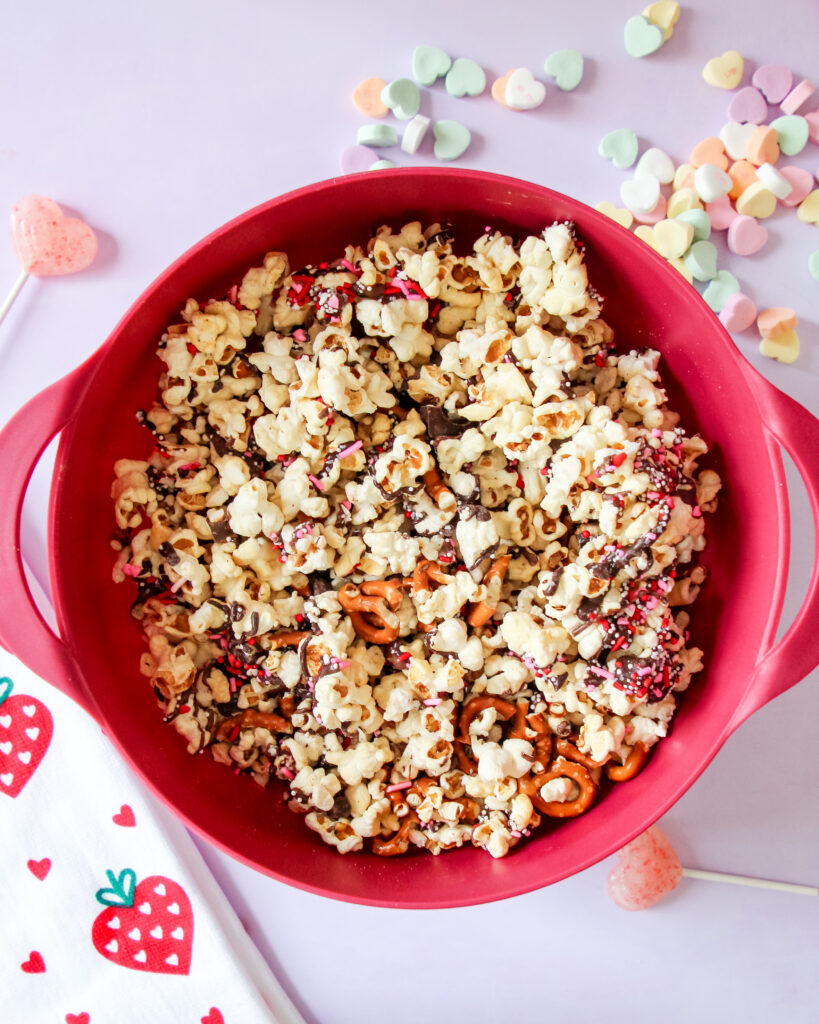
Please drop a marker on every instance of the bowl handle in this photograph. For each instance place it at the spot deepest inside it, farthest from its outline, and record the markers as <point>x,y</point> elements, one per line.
<point>797,653</point>
<point>23,630</point>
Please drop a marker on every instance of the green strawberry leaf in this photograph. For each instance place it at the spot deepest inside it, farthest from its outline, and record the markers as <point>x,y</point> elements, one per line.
<point>121,891</point>
<point>6,686</point>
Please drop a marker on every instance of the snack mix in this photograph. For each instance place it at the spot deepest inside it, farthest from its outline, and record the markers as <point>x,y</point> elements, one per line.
<point>415,539</point>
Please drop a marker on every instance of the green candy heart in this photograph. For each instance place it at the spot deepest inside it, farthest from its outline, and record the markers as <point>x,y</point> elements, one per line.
<point>791,133</point>
<point>382,165</point>
<point>642,36</point>
<point>813,265</point>
<point>465,78</point>
<point>620,147</point>
<point>402,97</point>
<point>451,139</point>
<point>429,63</point>
<point>701,222</point>
<point>377,135</point>
<point>121,892</point>
<point>720,289</point>
<point>566,68</point>
<point>6,686</point>
<point>701,260</point>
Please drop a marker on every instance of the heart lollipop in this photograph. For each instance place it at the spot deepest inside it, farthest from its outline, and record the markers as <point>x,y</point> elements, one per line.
<point>47,242</point>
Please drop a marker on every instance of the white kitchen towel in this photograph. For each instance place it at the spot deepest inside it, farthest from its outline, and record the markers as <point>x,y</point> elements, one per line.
<point>108,914</point>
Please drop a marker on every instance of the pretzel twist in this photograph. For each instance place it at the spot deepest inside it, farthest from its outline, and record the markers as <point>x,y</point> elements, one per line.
<point>438,490</point>
<point>568,750</point>
<point>398,843</point>
<point>632,766</point>
<point>560,769</point>
<point>479,614</point>
<point>250,719</point>
<point>291,638</point>
<point>371,609</point>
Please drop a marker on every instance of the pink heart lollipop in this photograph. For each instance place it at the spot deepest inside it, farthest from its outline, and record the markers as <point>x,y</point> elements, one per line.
<point>47,242</point>
<point>648,870</point>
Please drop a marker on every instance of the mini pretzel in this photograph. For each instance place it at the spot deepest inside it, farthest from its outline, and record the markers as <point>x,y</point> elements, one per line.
<point>438,490</point>
<point>632,766</point>
<point>479,614</point>
<point>524,722</point>
<point>426,573</point>
<point>399,843</point>
<point>571,753</point>
<point>474,707</point>
<point>560,769</point>
<point>372,617</point>
<point>389,590</point>
<point>287,706</point>
<point>290,639</point>
<point>249,719</point>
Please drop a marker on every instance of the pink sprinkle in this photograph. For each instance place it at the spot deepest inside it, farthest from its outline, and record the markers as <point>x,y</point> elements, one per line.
<point>287,773</point>
<point>601,671</point>
<point>347,504</point>
<point>696,512</point>
<point>130,570</point>
<point>515,834</point>
<point>300,335</point>
<point>350,449</point>
<point>341,663</point>
<point>348,266</point>
<point>190,465</point>
<point>396,786</point>
<point>178,584</point>
<point>656,432</point>
<point>526,832</point>
<point>315,481</point>
<point>433,702</point>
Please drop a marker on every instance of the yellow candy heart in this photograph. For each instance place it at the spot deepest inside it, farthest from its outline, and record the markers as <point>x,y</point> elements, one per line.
<point>673,238</point>
<point>682,266</point>
<point>724,72</point>
<point>646,234</point>
<point>683,199</point>
<point>622,217</point>
<point>785,347</point>
<point>683,177</point>
<point>757,201</point>
<point>665,13</point>
<point>808,210</point>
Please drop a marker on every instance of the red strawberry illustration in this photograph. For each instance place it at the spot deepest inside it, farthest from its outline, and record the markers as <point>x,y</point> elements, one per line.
<point>25,733</point>
<point>147,926</point>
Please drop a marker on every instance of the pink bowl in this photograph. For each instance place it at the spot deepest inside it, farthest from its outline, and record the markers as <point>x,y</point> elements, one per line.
<point>743,418</point>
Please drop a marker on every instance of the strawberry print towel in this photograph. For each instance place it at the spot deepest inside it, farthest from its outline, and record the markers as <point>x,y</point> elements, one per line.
<point>109,914</point>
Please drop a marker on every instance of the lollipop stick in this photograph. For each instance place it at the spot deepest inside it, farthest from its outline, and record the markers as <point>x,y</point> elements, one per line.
<point>758,883</point>
<point>12,295</point>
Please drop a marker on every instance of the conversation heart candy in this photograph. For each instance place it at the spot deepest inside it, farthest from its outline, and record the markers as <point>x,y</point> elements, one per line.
<point>748,105</point>
<point>498,89</point>
<point>699,221</point>
<point>648,869</point>
<point>738,313</point>
<point>756,201</point>
<point>640,195</point>
<point>701,260</point>
<point>642,37</point>
<point>774,180</point>
<point>709,151</point>
<point>356,158</point>
<point>736,137</point>
<point>566,68</point>
<point>812,117</point>
<point>523,92</point>
<point>377,135</point>
<point>402,97</point>
<point>791,133</point>
<point>720,213</point>
<point>619,146</point>
<point>673,237</point>
<point>775,321</point>
<point>683,199</point>
<point>746,235</point>
<point>367,97</point>
<point>47,242</point>
<point>683,177</point>
<point>813,265</point>
<point>711,183</point>
<point>784,348</point>
<point>429,63</point>
<point>724,72</point>
<point>655,161</point>
<point>623,217</point>
<point>797,97</point>
<point>652,216</point>
<point>465,78</point>
<point>801,182</point>
<point>382,165</point>
<point>451,139</point>
<point>720,287</point>
<point>763,146</point>
<point>773,81</point>
<point>679,264</point>
<point>646,234</point>
<point>742,174</point>
<point>665,14</point>
<point>414,133</point>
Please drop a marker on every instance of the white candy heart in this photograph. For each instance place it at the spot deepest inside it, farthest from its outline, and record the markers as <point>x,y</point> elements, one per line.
<point>7,778</point>
<point>711,183</point>
<point>24,756</point>
<point>523,91</point>
<point>414,133</point>
<point>141,956</point>
<point>735,137</point>
<point>774,181</point>
<point>33,733</point>
<point>5,748</point>
<point>657,162</point>
<point>641,194</point>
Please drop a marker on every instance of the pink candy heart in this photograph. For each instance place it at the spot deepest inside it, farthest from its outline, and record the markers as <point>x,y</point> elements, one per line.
<point>738,313</point>
<point>746,236</point>
<point>47,242</point>
<point>774,81</point>
<point>802,182</point>
<point>357,158</point>
<point>812,117</point>
<point>648,870</point>
<point>721,213</point>
<point>748,106</point>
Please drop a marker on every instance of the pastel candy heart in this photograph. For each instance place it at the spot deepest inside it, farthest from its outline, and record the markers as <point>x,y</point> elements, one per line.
<point>813,265</point>
<point>735,138</point>
<point>798,96</point>
<point>742,174</point>
<point>711,183</point>
<point>673,238</point>
<point>720,213</point>
<point>683,199</point>
<point>812,117</point>
<point>465,78</point>
<point>523,92</point>
<point>377,135</point>
<point>648,869</point>
<point>623,217</point>
<point>775,321</point>
<point>701,260</point>
<point>746,235</point>
<point>756,201</point>
<point>724,72</point>
<point>429,64</point>
<point>785,348</point>
<point>773,81</point>
<point>451,139</point>
<point>356,158</point>
<point>499,88</point>
<point>367,97</point>
<point>763,146</point>
<point>646,234</point>
<point>642,37</point>
<point>655,161</point>
<point>665,13</point>
<point>47,242</point>
<point>683,177</point>
<point>801,182</point>
<point>748,105</point>
<point>738,313</point>
<point>402,97</point>
<point>679,264</point>
<point>382,165</point>
<point>774,180</point>
<point>720,287</point>
<point>699,221</point>
<point>414,133</point>
<point>566,68</point>
<point>652,216</point>
<point>791,132</point>
<point>619,146</point>
<point>709,151</point>
<point>808,210</point>
<point>640,194</point>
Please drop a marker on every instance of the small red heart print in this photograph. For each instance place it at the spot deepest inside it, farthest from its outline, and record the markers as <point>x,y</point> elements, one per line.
<point>39,868</point>
<point>35,964</point>
<point>214,1017</point>
<point>77,1018</point>
<point>124,817</point>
